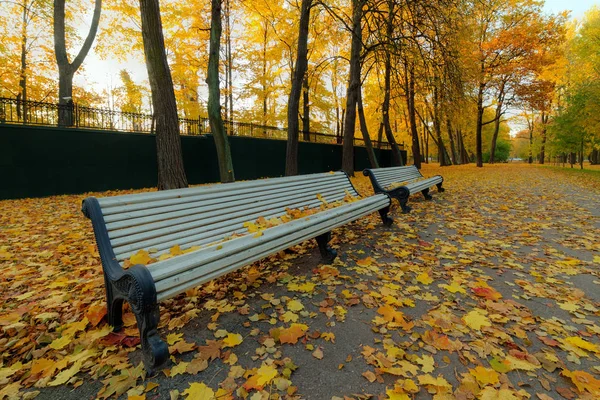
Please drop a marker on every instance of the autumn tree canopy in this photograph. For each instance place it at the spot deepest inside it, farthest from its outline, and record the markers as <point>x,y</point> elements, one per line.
<point>434,78</point>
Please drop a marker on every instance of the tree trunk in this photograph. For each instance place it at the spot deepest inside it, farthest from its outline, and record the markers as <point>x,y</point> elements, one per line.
<point>385,107</point>
<point>544,130</point>
<point>365,132</point>
<point>581,154</point>
<point>479,127</point>
<point>171,173</point>
<point>410,100</point>
<point>305,111</point>
<point>451,138</point>
<point>426,140</point>
<point>443,158</point>
<point>530,158</point>
<point>499,104</point>
<point>338,132</point>
<point>66,70</point>
<point>464,156</point>
<point>229,76</point>
<point>291,159</point>
<point>353,88</point>
<point>340,138</point>
<point>214,97</point>
<point>65,104</point>
<point>263,80</point>
<point>23,72</point>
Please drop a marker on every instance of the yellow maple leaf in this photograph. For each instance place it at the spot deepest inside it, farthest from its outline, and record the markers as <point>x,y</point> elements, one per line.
<point>199,391</point>
<point>289,316</point>
<point>67,374</point>
<point>173,338</point>
<point>583,381</point>
<point>517,363</point>
<point>582,344</point>
<point>408,385</point>
<point>424,278</point>
<point>365,262</point>
<point>426,363</point>
<point>179,369</point>
<point>485,376</point>
<point>390,314</point>
<point>295,305</point>
<point>453,287</point>
<point>175,250</point>
<point>232,340</point>
<point>396,394</point>
<point>439,382</point>
<point>181,347</point>
<point>72,328</point>
<point>489,393</point>
<point>265,374</point>
<point>569,306</point>
<point>306,287</point>
<point>251,227</point>
<point>141,257</point>
<point>476,319</point>
<point>60,343</point>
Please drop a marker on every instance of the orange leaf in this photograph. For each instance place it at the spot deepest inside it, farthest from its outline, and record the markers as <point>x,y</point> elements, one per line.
<point>95,314</point>
<point>292,334</point>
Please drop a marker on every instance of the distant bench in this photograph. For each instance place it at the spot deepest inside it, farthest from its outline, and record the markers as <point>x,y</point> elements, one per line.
<point>222,221</point>
<point>401,182</point>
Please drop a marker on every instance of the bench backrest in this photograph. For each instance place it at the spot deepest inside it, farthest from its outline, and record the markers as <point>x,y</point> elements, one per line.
<point>386,177</point>
<point>207,214</point>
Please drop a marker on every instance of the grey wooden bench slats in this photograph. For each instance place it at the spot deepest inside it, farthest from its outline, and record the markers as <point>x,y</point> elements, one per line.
<point>144,234</point>
<point>212,218</point>
<point>175,275</point>
<point>401,182</point>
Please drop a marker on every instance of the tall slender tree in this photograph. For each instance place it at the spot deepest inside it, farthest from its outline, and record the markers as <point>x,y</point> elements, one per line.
<point>354,83</point>
<point>66,69</point>
<point>291,159</point>
<point>171,173</point>
<point>214,97</point>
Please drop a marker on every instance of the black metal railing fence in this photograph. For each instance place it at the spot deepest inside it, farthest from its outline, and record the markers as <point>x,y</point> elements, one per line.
<point>14,111</point>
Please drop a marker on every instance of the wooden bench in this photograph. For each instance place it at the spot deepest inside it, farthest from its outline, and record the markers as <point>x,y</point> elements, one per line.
<point>401,182</point>
<point>218,219</point>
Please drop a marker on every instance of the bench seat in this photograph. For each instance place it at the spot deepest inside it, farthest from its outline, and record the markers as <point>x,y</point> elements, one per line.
<point>216,230</point>
<point>401,182</point>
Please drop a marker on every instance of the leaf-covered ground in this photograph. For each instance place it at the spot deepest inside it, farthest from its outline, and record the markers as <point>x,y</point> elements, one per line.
<point>490,291</point>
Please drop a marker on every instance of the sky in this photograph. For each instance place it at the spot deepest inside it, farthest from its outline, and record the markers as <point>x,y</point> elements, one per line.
<point>577,7</point>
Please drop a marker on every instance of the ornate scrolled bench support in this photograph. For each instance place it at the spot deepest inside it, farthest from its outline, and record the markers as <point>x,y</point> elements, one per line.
<point>401,194</point>
<point>134,285</point>
<point>440,189</point>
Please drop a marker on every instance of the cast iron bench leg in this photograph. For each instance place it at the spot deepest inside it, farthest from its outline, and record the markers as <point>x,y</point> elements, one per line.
<point>136,286</point>
<point>327,253</point>
<point>426,194</point>
<point>401,194</point>
<point>405,208</point>
<point>439,187</point>
<point>387,220</point>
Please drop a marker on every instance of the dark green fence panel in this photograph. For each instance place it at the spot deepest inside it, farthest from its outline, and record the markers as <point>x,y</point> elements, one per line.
<point>44,161</point>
